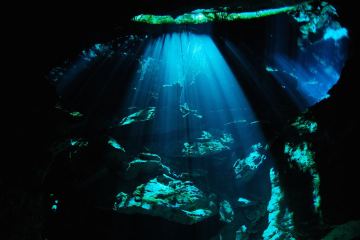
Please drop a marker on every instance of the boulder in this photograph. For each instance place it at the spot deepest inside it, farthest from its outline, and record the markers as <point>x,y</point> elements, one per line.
<point>169,198</point>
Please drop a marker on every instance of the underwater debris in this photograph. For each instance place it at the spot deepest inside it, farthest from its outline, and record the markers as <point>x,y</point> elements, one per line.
<point>207,145</point>
<point>78,142</point>
<point>200,149</point>
<point>139,116</point>
<point>246,168</point>
<point>112,142</point>
<point>146,164</point>
<point>166,197</point>
<point>243,202</point>
<point>304,126</point>
<point>98,50</point>
<point>226,212</point>
<point>242,121</point>
<point>242,233</point>
<point>205,136</point>
<point>74,114</point>
<point>145,65</point>
<point>280,220</point>
<point>227,138</point>
<point>54,203</point>
<point>186,111</point>
<point>194,173</point>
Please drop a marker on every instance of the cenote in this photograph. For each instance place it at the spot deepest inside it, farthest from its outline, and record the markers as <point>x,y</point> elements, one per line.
<point>209,122</point>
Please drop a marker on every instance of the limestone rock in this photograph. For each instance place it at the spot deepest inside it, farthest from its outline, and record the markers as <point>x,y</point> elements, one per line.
<point>164,196</point>
<point>280,219</point>
<point>242,233</point>
<point>207,145</point>
<point>146,164</point>
<point>246,168</point>
<point>226,212</point>
<point>243,202</point>
<point>139,116</point>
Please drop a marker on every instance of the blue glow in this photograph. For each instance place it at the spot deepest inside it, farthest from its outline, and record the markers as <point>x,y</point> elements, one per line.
<point>190,74</point>
<point>315,70</point>
<point>335,34</point>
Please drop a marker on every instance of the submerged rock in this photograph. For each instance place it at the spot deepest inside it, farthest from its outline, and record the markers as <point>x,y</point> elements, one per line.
<point>207,145</point>
<point>164,196</point>
<point>246,168</point>
<point>280,219</point>
<point>226,212</point>
<point>186,111</point>
<point>304,125</point>
<point>242,233</point>
<point>201,16</point>
<point>243,202</point>
<point>146,164</point>
<point>194,173</point>
<point>139,116</point>
<point>112,142</point>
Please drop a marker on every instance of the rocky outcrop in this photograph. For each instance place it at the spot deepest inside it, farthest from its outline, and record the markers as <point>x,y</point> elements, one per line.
<point>207,145</point>
<point>139,116</point>
<point>280,222</point>
<point>166,197</point>
<point>146,164</point>
<point>246,168</point>
<point>226,212</point>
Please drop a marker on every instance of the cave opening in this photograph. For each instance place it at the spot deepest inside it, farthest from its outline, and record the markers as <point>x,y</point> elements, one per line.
<point>184,127</point>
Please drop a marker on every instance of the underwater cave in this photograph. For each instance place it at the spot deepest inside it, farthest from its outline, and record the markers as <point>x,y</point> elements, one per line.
<point>188,120</point>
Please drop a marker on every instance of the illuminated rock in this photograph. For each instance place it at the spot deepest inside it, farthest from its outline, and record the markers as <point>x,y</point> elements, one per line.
<point>243,202</point>
<point>139,116</point>
<point>207,145</point>
<point>319,19</point>
<point>226,212</point>
<point>301,156</point>
<point>200,149</point>
<point>166,197</point>
<point>246,168</point>
<point>280,220</point>
<point>112,142</point>
<point>186,111</point>
<point>242,233</point>
<point>146,164</point>
<point>304,126</point>
<point>153,19</point>
<point>201,16</point>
